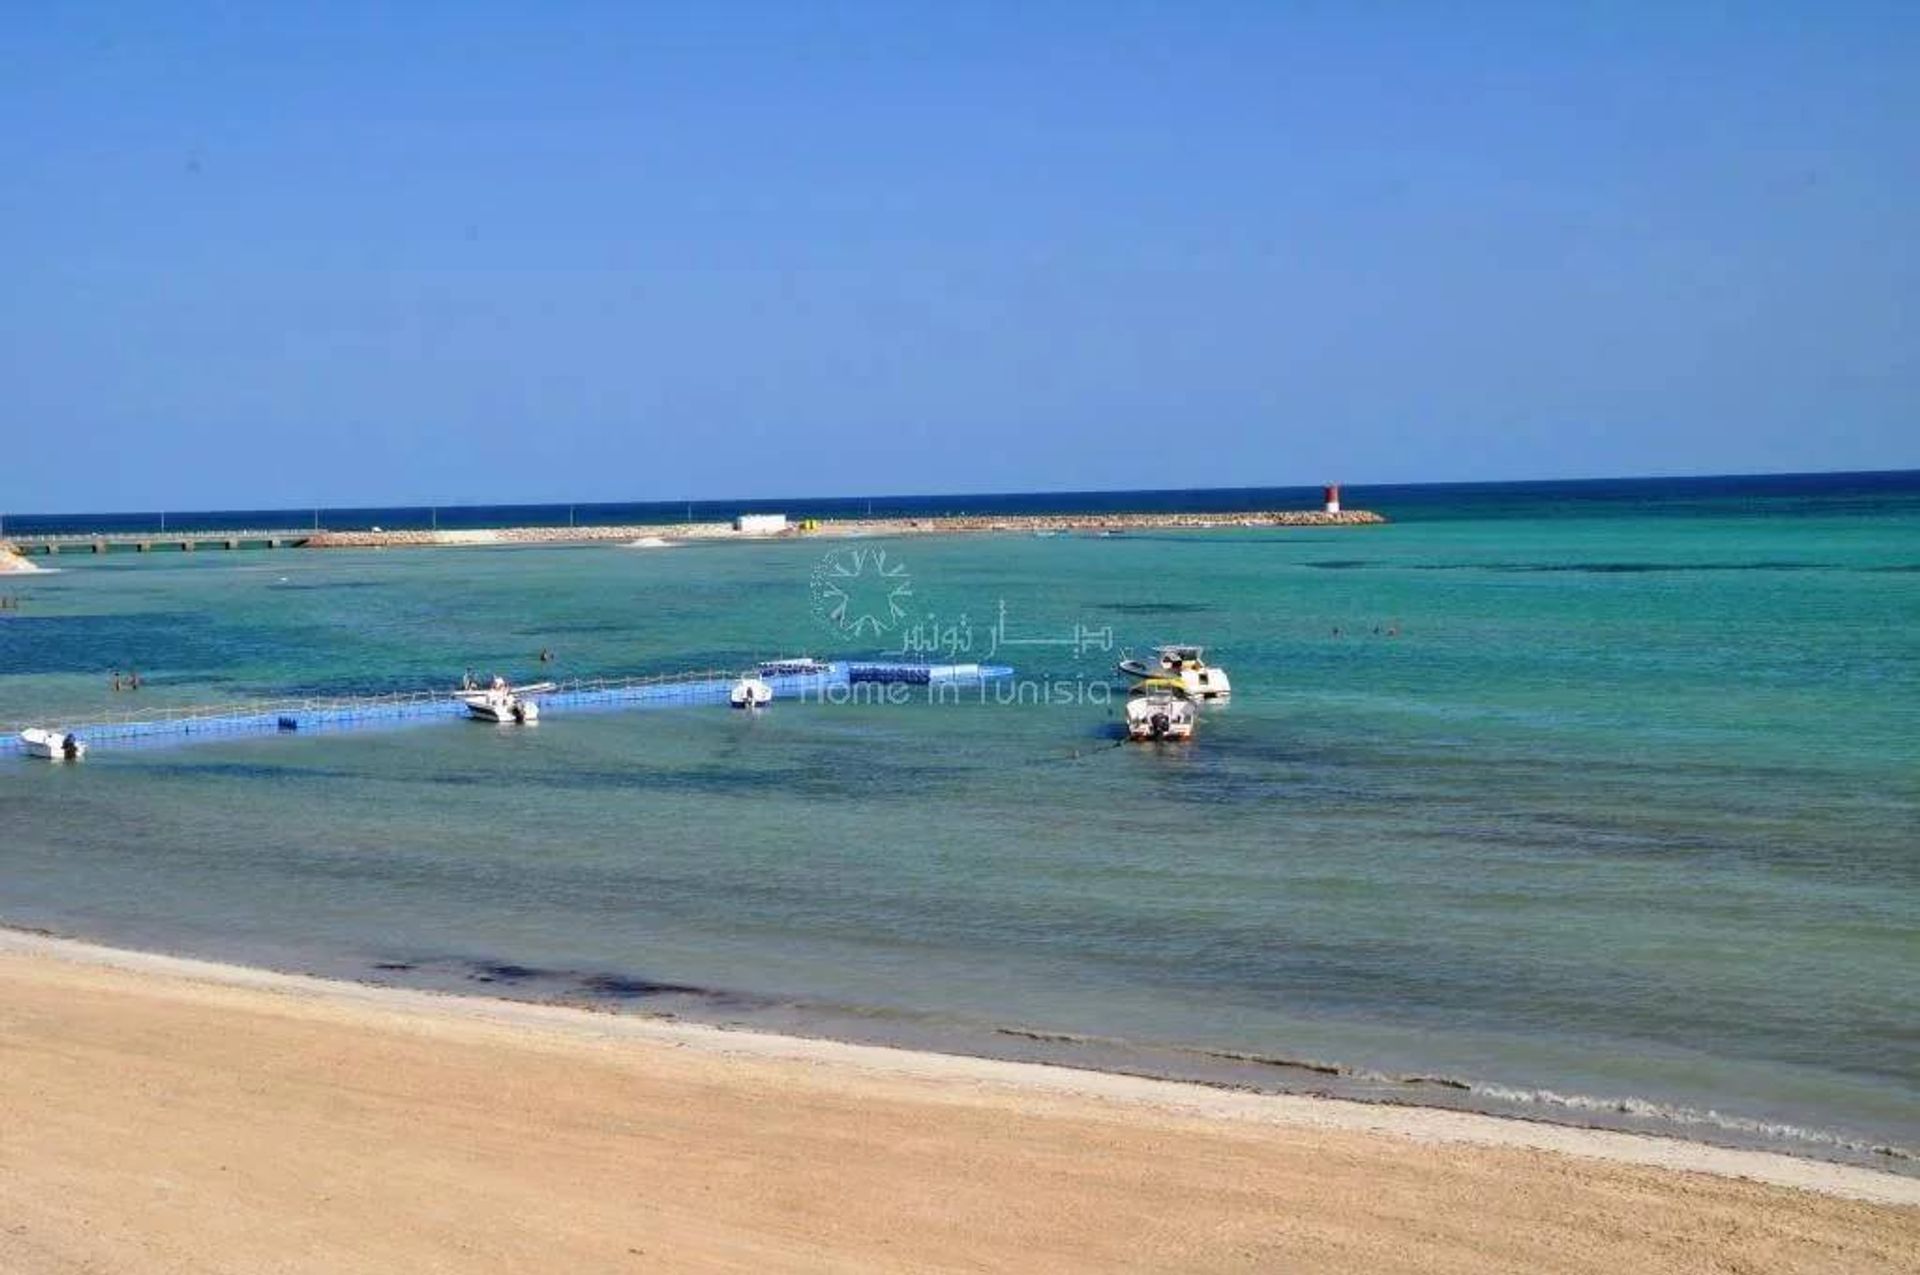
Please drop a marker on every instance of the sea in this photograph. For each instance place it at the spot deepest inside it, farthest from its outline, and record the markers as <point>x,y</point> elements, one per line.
<point>1593,802</point>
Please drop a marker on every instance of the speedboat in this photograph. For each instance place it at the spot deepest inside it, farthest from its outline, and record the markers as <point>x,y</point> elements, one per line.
<point>1186,665</point>
<point>503,703</point>
<point>53,745</point>
<point>750,693</point>
<point>1158,709</point>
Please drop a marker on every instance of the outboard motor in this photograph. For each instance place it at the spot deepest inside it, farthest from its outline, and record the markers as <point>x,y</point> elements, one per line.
<point>1160,724</point>
<point>70,747</point>
<point>519,712</point>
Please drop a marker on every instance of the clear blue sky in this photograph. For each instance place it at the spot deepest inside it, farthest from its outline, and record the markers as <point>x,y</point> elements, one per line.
<point>280,255</point>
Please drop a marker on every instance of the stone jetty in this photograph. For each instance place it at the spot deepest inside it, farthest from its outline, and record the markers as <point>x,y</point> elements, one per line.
<point>944,525</point>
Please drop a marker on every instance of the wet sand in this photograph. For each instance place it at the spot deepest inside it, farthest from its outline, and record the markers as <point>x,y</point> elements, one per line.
<point>167,1115</point>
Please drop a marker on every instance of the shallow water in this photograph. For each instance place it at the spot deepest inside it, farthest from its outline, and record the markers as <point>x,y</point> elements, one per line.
<point>1618,807</point>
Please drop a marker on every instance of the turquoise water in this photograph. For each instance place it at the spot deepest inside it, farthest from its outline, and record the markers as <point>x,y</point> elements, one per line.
<point>1608,815</point>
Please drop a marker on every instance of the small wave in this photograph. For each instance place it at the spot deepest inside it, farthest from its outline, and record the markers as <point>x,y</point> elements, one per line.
<point>1695,1116</point>
<point>1570,1106</point>
<point>1443,1082</point>
<point>1274,1060</point>
<point>1051,1038</point>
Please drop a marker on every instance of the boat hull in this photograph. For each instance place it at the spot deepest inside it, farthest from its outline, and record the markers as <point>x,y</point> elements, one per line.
<point>49,745</point>
<point>750,695</point>
<point>1159,719</point>
<point>1199,680</point>
<point>501,710</point>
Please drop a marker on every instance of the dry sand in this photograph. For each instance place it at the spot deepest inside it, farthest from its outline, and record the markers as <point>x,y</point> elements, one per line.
<point>168,1115</point>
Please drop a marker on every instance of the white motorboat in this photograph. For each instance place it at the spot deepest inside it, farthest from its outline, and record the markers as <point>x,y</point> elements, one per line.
<point>1186,665</point>
<point>750,693</point>
<point>53,745</point>
<point>1157,710</point>
<point>503,703</point>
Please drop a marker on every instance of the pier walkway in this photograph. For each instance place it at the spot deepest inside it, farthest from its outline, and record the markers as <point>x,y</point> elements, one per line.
<point>316,713</point>
<point>150,541</point>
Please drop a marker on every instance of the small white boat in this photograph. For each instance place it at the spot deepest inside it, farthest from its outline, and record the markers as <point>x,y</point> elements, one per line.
<point>503,703</point>
<point>1186,665</point>
<point>1159,710</point>
<point>750,693</point>
<point>53,745</point>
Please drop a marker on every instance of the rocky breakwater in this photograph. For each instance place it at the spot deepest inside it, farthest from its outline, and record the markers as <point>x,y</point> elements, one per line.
<point>11,560</point>
<point>1105,522</point>
<point>953,524</point>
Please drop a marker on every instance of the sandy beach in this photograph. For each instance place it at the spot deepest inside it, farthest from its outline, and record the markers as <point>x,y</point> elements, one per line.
<point>170,1115</point>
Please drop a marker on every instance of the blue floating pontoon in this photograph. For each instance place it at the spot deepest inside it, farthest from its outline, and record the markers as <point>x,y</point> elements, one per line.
<point>585,693</point>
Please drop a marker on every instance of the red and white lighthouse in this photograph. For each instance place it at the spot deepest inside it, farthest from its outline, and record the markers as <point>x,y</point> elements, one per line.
<point>1333,498</point>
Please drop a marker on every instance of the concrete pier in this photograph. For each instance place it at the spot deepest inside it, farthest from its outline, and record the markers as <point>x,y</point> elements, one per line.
<point>149,542</point>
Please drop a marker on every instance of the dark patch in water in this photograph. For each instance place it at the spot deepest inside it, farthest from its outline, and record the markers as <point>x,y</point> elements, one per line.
<point>633,988</point>
<point>251,770</point>
<point>93,644</point>
<point>583,626</point>
<point>1643,568</point>
<point>395,966</point>
<point>491,972</point>
<point>1586,568</point>
<point>1157,608</point>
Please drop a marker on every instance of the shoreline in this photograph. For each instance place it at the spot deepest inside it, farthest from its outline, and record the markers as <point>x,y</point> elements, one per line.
<point>1429,1125</point>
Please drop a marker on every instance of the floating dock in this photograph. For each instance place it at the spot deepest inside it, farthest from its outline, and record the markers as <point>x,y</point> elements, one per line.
<point>318,713</point>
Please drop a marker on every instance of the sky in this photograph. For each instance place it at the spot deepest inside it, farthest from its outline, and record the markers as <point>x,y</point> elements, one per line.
<point>275,255</point>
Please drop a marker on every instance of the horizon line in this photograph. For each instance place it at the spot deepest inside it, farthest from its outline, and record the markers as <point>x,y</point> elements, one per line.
<point>1345,484</point>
